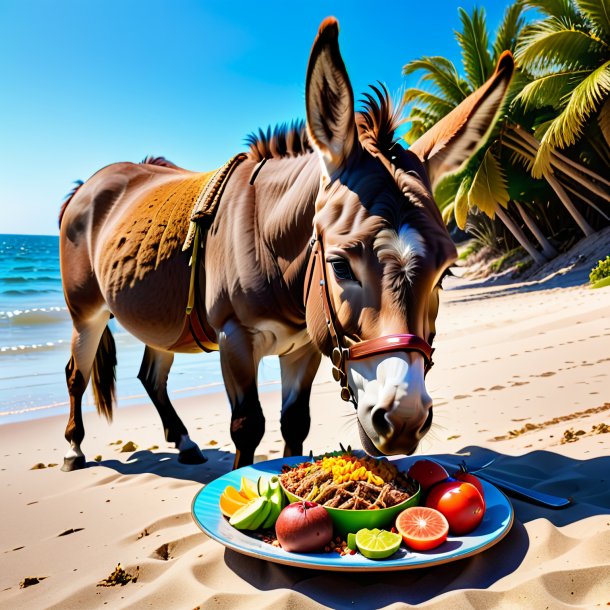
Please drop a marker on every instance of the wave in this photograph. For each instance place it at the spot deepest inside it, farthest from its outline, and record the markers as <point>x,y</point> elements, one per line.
<point>30,291</point>
<point>19,279</point>
<point>35,316</point>
<point>35,347</point>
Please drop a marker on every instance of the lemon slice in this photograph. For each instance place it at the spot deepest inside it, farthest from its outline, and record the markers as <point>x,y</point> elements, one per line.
<point>248,489</point>
<point>376,543</point>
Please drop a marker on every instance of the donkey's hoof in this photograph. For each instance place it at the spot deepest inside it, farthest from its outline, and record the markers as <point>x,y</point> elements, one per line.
<point>76,462</point>
<point>192,455</point>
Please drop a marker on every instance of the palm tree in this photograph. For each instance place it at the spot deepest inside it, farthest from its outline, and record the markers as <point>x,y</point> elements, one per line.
<point>567,55</point>
<point>482,184</point>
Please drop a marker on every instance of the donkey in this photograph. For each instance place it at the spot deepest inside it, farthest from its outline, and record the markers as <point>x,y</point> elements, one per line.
<point>327,241</point>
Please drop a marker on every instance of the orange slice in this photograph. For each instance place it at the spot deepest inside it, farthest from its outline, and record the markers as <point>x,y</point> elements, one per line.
<point>231,501</point>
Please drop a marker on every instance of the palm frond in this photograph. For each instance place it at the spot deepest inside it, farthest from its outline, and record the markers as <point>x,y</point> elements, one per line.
<point>448,213</point>
<point>598,14</point>
<point>489,189</point>
<point>446,189</point>
<point>461,205</point>
<point>542,128</point>
<point>550,44</point>
<point>474,42</point>
<point>560,9</point>
<point>550,89</point>
<point>567,127</point>
<point>435,103</point>
<point>442,74</point>
<point>509,30</point>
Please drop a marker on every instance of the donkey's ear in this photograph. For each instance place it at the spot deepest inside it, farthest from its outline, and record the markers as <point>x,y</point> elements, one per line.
<point>449,143</point>
<point>329,99</point>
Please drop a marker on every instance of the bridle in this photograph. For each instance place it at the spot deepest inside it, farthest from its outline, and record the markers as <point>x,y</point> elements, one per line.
<point>342,352</point>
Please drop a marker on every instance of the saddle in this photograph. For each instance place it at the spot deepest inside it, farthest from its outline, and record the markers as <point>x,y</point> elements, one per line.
<point>204,211</point>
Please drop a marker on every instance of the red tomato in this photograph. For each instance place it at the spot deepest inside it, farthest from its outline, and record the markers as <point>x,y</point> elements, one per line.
<point>462,475</point>
<point>427,473</point>
<point>422,528</point>
<point>461,503</point>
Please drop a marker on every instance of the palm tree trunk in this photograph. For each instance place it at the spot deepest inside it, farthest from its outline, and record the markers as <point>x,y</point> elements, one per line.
<point>585,227</point>
<point>554,184</point>
<point>547,249</point>
<point>565,164</point>
<point>520,236</point>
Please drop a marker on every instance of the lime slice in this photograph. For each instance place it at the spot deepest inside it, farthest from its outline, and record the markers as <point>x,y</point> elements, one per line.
<point>351,542</point>
<point>251,515</point>
<point>377,544</point>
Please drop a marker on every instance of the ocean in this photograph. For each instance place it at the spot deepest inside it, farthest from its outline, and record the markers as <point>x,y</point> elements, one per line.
<point>35,331</point>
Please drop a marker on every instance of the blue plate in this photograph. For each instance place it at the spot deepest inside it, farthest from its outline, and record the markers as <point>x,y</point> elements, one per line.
<point>206,512</point>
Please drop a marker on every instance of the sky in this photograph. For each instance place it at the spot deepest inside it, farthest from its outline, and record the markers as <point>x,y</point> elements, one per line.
<point>88,83</point>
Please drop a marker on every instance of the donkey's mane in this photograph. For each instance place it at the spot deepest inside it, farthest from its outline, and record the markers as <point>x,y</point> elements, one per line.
<point>161,161</point>
<point>376,122</point>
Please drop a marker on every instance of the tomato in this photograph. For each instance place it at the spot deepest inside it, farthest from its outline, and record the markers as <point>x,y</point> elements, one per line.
<point>422,528</point>
<point>427,473</point>
<point>460,502</point>
<point>463,475</point>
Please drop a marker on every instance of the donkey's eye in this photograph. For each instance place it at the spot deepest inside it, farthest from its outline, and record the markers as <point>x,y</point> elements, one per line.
<point>341,269</point>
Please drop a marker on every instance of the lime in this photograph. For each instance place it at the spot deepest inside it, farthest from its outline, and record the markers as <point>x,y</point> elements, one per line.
<point>262,486</point>
<point>351,542</point>
<point>251,515</point>
<point>376,543</point>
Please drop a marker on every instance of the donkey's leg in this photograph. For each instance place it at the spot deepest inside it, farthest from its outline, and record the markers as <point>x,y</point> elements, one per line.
<point>86,337</point>
<point>239,370</point>
<point>298,371</point>
<point>153,374</point>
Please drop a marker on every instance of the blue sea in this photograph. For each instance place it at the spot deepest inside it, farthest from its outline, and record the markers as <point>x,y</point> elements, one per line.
<point>35,331</point>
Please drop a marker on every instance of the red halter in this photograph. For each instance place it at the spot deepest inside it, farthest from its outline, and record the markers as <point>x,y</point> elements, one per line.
<point>316,274</point>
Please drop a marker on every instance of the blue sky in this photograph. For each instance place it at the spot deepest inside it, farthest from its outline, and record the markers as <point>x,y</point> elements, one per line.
<point>84,84</point>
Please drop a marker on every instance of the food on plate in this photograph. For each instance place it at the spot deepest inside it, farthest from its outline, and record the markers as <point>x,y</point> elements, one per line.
<point>249,489</point>
<point>304,527</point>
<point>427,473</point>
<point>376,543</point>
<point>275,497</point>
<point>346,481</point>
<point>461,504</point>
<point>464,475</point>
<point>231,500</point>
<point>252,515</point>
<point>422,528</point>
<point>247,510</point>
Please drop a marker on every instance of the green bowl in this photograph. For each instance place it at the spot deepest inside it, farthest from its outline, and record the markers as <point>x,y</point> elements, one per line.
<point>346,521</point>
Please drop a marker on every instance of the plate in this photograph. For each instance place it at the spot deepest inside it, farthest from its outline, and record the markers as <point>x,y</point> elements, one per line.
<point>496,524</point>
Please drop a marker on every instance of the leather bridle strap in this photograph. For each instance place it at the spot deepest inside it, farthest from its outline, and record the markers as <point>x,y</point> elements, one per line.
<point>359,349</point>
<point>392,343</point>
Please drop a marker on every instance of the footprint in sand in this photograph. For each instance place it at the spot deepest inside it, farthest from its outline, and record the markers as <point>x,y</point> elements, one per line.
<point>178,547</point>
<point>460,396</point>
<point>496,387</point>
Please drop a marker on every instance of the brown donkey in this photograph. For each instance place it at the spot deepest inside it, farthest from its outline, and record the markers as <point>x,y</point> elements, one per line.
<point>327,241</point>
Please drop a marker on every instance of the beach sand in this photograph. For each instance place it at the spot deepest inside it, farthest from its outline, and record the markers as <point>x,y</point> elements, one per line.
<point>517,368</point>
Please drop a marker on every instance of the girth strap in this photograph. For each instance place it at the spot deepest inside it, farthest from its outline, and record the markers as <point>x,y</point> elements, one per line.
<point>195,325</point>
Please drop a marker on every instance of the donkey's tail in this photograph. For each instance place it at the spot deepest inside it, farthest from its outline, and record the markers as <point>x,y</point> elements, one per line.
<point>68,199</point>
<point>103,375</point>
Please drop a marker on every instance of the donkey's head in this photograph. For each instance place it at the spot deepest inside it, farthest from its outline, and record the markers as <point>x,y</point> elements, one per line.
<point>380,247</point>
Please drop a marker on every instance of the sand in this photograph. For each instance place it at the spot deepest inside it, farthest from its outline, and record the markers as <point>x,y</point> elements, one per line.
<point>517,368</point>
